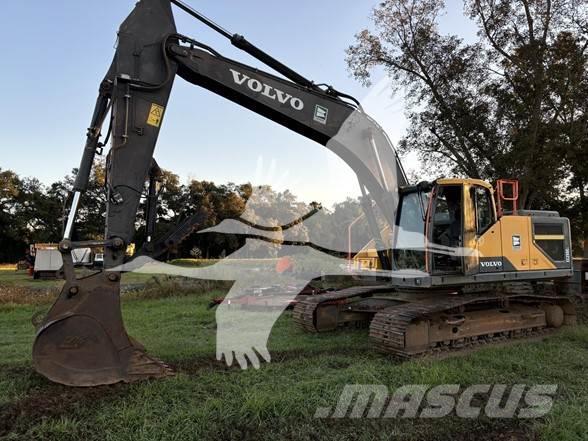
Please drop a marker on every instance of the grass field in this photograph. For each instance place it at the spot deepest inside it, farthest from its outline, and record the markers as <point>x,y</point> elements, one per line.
<point>12,278</point>
<point>209,401</point>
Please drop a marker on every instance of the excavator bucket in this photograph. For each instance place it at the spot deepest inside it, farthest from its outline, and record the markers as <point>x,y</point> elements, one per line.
<point>83,342</point>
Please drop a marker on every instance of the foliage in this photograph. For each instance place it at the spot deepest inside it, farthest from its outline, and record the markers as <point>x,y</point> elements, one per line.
<point>511,104</point>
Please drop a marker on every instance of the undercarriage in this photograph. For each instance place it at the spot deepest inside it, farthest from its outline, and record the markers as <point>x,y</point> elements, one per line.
<point>413,323</point>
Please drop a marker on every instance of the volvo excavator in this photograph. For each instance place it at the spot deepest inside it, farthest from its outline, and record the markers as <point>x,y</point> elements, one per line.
<point>481,274</point>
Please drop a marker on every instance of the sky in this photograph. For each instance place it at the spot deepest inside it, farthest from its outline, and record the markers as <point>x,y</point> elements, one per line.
<point>55,53</point>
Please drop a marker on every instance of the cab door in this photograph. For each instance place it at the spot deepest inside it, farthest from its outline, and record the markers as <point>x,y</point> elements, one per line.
<point>470,255</point>
<point>445,236</point>
<point>481,218</point>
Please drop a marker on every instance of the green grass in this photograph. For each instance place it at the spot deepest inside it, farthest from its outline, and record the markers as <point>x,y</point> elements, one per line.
<point>207,400</point>
<point>18,288</point>
<point>22,279</point>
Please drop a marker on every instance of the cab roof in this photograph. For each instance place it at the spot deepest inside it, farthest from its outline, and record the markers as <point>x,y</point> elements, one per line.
<point>462,181</point>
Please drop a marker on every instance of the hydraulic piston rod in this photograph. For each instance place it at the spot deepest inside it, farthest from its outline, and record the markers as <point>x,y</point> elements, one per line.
<point>72,214</point>
<point>241,42</point>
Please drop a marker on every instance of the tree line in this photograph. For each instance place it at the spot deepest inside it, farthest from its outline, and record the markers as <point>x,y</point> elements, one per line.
<point>31,212</point>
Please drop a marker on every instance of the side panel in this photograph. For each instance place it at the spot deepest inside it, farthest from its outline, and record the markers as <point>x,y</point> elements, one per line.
<point>526,243</point>
<point>551,246</point>
<point>490,249</point>
<point>516,242</point>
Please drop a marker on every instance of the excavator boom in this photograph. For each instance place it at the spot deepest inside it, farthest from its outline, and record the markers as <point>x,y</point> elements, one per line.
<point>82,340</point>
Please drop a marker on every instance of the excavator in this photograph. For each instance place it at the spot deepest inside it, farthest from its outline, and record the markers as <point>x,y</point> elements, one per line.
<point>482,273</point>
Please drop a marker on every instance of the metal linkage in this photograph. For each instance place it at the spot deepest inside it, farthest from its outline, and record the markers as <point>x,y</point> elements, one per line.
<point>198,16</point>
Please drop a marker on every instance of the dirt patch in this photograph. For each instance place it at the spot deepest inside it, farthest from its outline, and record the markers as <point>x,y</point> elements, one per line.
<point>153,288</point>
<point>52,401</point>
<point>453,429</point>
<point>195,366</point>
<point>297,354</point>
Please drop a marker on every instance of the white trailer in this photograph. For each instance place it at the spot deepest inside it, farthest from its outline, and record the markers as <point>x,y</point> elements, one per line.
<point>48,261</point>
<point>48,264</point>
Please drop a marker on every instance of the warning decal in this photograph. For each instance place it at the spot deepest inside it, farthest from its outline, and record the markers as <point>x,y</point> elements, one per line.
<point>155,115</point>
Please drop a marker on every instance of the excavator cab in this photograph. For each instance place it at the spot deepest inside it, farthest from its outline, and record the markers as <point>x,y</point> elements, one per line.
<point>434,226</point>
<point>461,211</point>
<point>455,228</point>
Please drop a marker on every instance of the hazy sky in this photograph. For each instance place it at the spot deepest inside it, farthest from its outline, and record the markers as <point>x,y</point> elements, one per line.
<point>55,54</point>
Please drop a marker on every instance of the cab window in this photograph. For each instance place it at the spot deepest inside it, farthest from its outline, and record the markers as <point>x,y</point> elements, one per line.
<point>409,247</point>
<point>484,209</point>
<point>447,218</point>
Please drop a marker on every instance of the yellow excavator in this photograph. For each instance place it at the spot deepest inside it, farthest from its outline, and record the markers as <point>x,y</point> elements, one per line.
<point>461,270</point>
<point>503,285</point>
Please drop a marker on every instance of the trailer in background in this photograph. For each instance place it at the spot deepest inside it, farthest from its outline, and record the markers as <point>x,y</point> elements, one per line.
<point>82,257</point>
<point>48,260</point>
<point>48,263</point>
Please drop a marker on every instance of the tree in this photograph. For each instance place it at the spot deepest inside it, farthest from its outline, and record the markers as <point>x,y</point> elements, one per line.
<point>38,214</point>
<point>11,243</point>
<point>568,81</point>
<point>91,214</point>
<point>29,213</point>
<point>494,108</point>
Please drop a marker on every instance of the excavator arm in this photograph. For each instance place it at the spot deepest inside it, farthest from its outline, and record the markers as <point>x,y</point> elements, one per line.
<point>82,340</point>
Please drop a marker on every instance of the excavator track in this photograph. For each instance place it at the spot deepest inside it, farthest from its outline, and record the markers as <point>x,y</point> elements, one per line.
<point>412,324</point>
<point>332,303</point>
<point>413,330</point>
